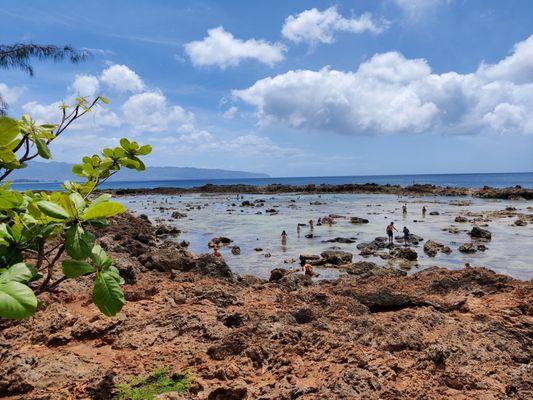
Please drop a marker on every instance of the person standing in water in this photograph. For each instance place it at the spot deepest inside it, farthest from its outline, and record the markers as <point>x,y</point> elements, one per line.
<point>298,229</point>
<point>424,211</point>
<point>404,209</point>
<point>311,224</point>
<point>390,229</point>
<point>406,236</point>
<point>284,238</point>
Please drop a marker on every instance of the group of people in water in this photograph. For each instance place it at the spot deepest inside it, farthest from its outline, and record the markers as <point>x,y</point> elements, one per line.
<point>308,268</point>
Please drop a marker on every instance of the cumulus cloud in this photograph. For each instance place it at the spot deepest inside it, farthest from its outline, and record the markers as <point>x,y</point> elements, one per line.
<point>197,137</point>
<point>150,112</point>
<point>230,112</point>
<point>517,67</point>
<point>86,85</point>
<point>121,78</point>
<point>314,26</point>
<point>222,49</point>
<point>10,94</point>
<point>392,94</point>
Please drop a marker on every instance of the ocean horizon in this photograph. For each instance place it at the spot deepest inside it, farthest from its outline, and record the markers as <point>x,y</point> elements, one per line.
<point>469,180</point>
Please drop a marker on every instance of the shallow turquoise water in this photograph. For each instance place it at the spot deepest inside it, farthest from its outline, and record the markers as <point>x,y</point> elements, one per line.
<point>508,251</point>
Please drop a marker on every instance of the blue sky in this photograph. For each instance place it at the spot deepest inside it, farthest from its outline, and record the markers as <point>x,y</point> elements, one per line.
<point>293,88</point>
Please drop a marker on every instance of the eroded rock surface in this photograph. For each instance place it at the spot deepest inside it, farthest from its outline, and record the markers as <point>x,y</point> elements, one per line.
<point>372,334</point>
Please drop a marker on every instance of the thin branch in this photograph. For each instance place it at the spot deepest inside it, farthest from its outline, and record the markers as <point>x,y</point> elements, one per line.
<point>66,120</point>
<point>56,283</point>
<point>44,285</point>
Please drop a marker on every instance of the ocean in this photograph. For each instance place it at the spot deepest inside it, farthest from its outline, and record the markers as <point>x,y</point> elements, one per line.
<point>496,180</point>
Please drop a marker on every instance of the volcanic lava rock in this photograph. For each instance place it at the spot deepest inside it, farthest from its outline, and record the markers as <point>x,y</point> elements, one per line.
<point>480,233</point>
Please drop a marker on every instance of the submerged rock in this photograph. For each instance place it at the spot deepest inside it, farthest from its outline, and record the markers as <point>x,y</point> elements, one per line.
<point>431,248</point>
<point>336,257</point>
<point>467,248</point>
<point>405,253</point>
<point>178,215</point>
<point>340,240</point>
<point>480,233</point>
<point>358,220</point>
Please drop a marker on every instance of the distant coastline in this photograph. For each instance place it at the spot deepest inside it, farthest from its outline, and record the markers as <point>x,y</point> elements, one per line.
<point>457,181</point>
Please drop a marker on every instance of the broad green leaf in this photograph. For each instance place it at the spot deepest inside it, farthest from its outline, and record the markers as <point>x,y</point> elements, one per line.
<point>102,198</point>
<point>76,268</point>
<point>100,257</point>
<point>17,273</point>
<point>52,209</point>
<point>103,210</point>
<point>98,223</point>
<point>17,300</point>
<point>10,199</point>
<point>77,169</point>
<point>107,294</point>
<point>108,152</point>
<point>9,130</point>
<point>145,150</point>
<point>116,274</point>
<point>7,156</point>
<point>78,201</point>
<point>119,152</point>
<point>69,206</point>
<point>78,242</point>
<point>43,149</point>
<point>129,163</point>
<point>125,143</point>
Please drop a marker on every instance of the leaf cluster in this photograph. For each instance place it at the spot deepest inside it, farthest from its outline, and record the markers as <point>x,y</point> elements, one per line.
<point>44,226</point>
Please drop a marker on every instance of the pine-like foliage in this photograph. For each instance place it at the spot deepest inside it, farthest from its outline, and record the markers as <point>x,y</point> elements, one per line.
<point>19,56</point>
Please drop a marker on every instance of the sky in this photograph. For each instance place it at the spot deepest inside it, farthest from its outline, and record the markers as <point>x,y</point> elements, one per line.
<point>288,88</point>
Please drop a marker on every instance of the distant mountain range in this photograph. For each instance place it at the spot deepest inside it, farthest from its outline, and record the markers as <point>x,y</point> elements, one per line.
<point>60,171</point>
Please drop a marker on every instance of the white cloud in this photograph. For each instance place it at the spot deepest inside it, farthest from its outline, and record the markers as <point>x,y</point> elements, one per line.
<point>517,67</point>
<point>230,112</point>
<point>50,113</point>
<point>417,9</point>
<point>121,78</point>
<point>314,26</point>
<point>10,94</point>
<point>249,145</point>
<point>222,49</point>
<point>86,85</point>
<point>150,111</point>
<point>197,137</point>
<point>392,94</point>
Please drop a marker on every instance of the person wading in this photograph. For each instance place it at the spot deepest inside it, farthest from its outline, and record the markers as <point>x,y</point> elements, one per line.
<point>406,236</point>
<point>284,238</point>
<point>390,229</point>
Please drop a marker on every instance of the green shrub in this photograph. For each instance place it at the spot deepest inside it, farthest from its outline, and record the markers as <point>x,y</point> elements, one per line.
<point>45,226</point>
<point>160,381</point>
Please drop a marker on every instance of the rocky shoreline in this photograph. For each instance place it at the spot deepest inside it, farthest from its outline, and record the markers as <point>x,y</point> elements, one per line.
<point>510,193</point>
<point>375,333</point>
